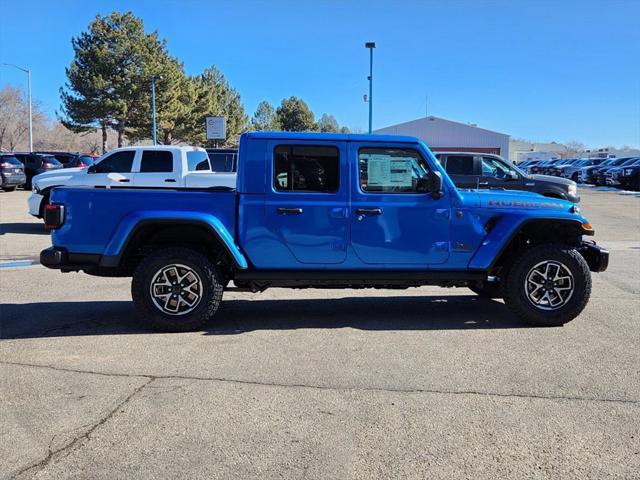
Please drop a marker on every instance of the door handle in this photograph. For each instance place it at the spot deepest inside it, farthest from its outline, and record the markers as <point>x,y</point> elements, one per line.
<point>170,180</point>
<point>289,211</point>
<point>368,211</point>
<point>124,180</point>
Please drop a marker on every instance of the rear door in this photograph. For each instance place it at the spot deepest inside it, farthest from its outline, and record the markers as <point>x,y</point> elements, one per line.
<point>114,170</point>
<point>306,201</point>
<point>158,168</point>
<point>462,169</point>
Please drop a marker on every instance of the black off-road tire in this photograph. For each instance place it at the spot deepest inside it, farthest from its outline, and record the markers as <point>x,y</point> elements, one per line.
<point>147,270</point>
<point>515,295</point>
<point>487,289</point>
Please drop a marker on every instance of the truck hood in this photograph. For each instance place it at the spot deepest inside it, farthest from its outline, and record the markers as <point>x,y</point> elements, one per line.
<point>519,200</point>
<point>551,179</point>
<point>60,174</point>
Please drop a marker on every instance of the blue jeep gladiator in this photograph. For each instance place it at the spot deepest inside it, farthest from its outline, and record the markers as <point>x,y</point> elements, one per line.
<point>327,211</point>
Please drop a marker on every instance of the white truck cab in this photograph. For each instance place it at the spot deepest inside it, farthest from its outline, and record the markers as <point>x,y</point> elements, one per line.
<point>158,166</point>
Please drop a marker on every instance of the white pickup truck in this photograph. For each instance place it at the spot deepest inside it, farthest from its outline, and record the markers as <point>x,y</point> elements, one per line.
<point>159,166</point>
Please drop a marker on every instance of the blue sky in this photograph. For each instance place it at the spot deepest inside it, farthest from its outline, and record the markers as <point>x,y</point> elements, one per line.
<point>543,70</point>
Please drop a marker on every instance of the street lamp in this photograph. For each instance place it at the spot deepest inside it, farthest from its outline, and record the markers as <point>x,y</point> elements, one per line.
<point>28,72</point>
<point>153,105</point>
<point>370,46</point>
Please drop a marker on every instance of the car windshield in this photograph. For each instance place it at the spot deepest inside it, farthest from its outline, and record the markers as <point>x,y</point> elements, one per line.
<point>50,159</point>
<point>11,160</point>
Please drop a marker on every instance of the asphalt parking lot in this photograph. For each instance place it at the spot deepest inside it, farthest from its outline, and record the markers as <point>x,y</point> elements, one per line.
<point>422,383</point>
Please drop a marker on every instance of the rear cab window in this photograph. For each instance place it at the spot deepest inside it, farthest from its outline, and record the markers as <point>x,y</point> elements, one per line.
<point>197,160</point>
<point>306,168</point>
<point>156,161</point>
<point>459,165</point>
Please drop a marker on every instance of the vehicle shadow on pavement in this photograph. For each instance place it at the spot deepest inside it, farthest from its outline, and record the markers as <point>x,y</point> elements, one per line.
<point>461,312</point>
<point>29,228</point>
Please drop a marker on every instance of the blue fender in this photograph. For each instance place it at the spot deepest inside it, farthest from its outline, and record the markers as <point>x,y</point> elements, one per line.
<point>128,225</point>
<point>506,228</point>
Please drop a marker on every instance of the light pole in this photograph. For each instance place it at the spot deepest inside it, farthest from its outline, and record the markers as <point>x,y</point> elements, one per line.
<point>28,72</point>
<point>153,106</point>
<point>370,46</point>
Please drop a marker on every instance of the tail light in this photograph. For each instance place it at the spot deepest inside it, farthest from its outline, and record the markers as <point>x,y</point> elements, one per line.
<point>53,216</point>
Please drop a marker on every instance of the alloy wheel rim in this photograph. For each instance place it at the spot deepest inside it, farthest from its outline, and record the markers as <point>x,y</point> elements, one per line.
<point>549,285</point>
<point>176,289</point>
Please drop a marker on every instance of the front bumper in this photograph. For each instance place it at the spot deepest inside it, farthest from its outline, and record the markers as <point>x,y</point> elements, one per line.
<point>35,203</point>
<point>596,257</point>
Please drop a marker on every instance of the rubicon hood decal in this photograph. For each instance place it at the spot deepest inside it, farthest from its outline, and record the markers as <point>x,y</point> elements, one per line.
<point>522,204</point>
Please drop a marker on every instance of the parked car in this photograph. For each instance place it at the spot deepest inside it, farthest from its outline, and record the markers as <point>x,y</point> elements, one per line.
<point>557,168</point>
<point>133,167</point>
<point>481,170</point>
<point>223,159</point>
<point>613,176</point>
<point>596,176</point>
<point>603,174</point>
<point>572,170</point>
<point>327,210</point>
<point>36,163</point>
<point>586,174</point>
<point>540,167</point>
<point>72,160</point>
<point>630,176</point>
<point>11,172</point>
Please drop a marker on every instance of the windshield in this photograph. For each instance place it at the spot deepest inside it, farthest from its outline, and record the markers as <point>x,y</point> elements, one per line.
<point>11,160</point>
<point>50,159</point>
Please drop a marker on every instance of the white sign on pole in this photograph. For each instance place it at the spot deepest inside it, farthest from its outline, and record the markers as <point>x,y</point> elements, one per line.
<point>216,128</point>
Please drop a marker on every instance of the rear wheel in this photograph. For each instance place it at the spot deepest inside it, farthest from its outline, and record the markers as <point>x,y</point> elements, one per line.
<point>176,289</point>
<point>8,189</point>
<point>548,285</point>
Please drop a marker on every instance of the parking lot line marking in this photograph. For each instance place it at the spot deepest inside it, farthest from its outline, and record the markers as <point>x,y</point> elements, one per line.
<point>16,264</point>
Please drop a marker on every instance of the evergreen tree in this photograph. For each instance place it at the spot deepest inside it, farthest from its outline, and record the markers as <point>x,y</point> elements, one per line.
<point>294,115</point>
<point>265,117</point>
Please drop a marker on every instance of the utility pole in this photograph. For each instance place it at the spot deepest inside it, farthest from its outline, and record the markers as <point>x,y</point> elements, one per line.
<point>370,46</point>
<point>153,107</point>
<point>28,72</point>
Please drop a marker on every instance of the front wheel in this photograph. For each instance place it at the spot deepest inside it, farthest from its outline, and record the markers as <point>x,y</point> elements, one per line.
<point>176,289</point>
<point>548,285</point>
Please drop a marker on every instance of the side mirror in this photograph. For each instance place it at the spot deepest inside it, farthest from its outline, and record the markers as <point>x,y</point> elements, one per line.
<point>432,183</point>
<point>512,175</point>
<point>91,169</point>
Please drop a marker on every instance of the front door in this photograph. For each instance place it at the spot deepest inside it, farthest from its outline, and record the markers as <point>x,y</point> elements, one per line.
<point>114,170</point>
<point>306,201</point>
<point>496,174</point>
<point>391,222</point>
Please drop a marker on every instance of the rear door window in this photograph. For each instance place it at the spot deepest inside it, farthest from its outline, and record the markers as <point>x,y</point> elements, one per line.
<point>459,165</point>
<point>155,161</point>
<point>117,162</point>
<point>306,169</point>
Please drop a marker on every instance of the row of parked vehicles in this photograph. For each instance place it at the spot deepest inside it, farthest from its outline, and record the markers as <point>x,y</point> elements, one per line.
<point>611,172</point>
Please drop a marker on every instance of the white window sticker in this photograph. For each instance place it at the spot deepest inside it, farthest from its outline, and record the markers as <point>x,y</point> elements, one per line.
<point>385,171</point>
